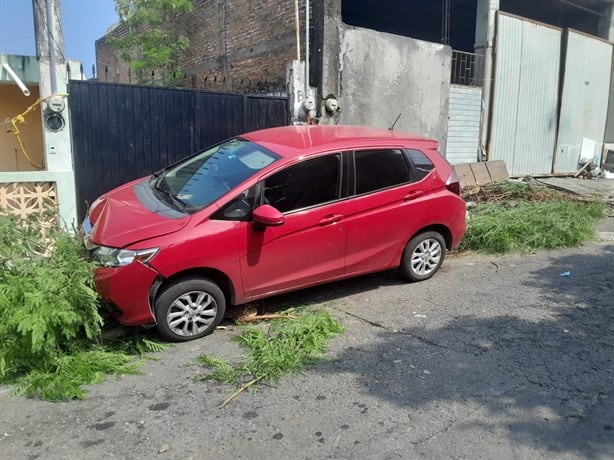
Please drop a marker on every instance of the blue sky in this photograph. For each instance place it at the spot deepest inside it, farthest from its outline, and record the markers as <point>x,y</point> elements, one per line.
<point>83,21</point>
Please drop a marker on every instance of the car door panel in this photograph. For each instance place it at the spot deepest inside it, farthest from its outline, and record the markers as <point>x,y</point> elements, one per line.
<point>390,208</point>
<point>380,223</point>
<point>308,248</point>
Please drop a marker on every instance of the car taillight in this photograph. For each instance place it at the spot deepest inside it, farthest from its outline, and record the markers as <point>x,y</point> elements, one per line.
<point>453,183</point>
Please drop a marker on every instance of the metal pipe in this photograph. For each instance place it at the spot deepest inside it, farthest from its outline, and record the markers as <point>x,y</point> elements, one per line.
<point>306,48</point>
<point>24,89</point>
<point>297,26</point>
<point>486,44</point>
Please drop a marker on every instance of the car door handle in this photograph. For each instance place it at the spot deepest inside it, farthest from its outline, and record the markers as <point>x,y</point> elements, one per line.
<point>413,195</point>
<point>330,219</point>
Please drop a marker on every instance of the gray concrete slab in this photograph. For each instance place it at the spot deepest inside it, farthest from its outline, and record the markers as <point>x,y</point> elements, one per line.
<point>601,189</point>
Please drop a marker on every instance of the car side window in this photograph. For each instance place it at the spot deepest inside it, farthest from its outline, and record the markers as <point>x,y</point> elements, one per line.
<point>378,169</point>
<point>240,207</point>
<point>422,165</point>
<point>306,184</point>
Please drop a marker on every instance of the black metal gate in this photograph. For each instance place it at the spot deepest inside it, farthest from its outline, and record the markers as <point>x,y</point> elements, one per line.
<point>122,132</point>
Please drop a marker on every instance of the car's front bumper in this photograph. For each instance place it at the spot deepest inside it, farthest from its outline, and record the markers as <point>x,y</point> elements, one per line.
<point>128,289</point>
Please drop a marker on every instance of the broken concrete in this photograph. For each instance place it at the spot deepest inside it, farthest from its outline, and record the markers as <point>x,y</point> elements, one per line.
<point>482,173</point>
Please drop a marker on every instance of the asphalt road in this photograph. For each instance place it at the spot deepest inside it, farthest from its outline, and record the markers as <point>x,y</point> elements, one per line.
<point>493,358</point>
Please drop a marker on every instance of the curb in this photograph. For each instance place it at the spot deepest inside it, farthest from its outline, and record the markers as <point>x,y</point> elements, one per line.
<point>606,236</point>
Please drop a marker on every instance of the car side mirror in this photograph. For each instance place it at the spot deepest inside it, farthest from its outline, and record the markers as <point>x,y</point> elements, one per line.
<point>267,216</point>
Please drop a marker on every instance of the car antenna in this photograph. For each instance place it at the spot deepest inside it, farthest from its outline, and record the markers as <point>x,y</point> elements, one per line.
<point>395,122</point>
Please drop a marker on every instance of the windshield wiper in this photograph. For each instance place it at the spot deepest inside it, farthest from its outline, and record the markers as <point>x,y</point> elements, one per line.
<point>160,184</point>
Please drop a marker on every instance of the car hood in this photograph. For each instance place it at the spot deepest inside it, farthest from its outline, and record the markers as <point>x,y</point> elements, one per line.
<point>119,218</point>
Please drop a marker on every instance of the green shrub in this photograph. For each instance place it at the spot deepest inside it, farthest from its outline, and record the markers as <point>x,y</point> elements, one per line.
<point>63,378</point>
<point>49,320</point>
<point>521,226</point>
<point>46,302</point>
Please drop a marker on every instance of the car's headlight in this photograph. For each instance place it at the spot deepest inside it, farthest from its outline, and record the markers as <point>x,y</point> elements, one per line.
<point>113,257</point>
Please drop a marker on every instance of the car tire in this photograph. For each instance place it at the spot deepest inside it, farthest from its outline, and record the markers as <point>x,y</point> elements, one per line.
<point>189,309</point>
<point>423,256</point>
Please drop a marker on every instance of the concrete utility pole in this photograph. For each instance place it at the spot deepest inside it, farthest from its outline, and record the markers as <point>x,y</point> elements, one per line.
<point>49,43</point>
<point>53,80</point>
<point>54,111</point>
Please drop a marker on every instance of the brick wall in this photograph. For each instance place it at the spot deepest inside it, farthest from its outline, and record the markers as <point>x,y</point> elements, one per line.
<point>235,45</point>
<point>109,67</point>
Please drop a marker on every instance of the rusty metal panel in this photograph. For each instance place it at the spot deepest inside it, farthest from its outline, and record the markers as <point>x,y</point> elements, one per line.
<point>525,102</point>
<point>464,124</point>
<point>584,104</point>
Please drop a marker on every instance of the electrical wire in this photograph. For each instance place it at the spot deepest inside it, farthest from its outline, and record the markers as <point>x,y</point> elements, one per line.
<point>21,118</point>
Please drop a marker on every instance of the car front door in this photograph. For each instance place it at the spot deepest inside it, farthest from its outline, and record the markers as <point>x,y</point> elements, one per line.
<point>309,246</point>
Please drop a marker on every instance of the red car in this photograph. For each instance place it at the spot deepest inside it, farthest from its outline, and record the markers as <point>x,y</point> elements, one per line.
<point>268,212</point>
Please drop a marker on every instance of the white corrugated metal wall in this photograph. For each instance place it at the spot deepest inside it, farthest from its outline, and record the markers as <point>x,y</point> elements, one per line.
<point>526,93</point>
<point>463,124</point>
<point>584,104</point>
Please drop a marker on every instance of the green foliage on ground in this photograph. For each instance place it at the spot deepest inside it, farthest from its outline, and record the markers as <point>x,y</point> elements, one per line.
<point>64,377</point>
<point>286,346</point>
<point>50,325</point>
<point>523,225</point>
<point>153,40</point>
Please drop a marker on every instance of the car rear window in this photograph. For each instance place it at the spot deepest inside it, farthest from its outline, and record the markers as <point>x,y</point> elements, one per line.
<point>422,164</point>
<point>378,169</point>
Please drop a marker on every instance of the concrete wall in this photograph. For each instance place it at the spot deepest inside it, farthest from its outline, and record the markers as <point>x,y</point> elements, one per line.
<point>31,132</point>
<point>26,68</point>
<point>52,151</point>
<point>12,103</point>
<point>382,75</point>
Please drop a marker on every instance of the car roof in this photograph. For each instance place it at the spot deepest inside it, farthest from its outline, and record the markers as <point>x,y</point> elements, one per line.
<point>293,141</point>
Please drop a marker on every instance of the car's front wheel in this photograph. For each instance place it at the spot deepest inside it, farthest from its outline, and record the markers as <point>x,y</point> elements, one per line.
<point>423,256</point>
<point>189,309</point>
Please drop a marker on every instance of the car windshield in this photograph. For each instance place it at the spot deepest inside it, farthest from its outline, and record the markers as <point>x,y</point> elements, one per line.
<point>200,180</point>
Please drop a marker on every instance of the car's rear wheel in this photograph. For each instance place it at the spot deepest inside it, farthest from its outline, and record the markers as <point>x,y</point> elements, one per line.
<point>423,256</point>
<point>189,309</point>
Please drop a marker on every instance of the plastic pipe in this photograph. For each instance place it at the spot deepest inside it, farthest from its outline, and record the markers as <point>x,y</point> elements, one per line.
<point>24,89</point>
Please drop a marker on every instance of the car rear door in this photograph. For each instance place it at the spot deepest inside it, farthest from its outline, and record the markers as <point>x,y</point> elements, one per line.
<point>391,203</point>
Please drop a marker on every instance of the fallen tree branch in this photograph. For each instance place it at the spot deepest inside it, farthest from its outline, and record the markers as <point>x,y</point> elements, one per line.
<point>241,390</point>
<point>255,318</point>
